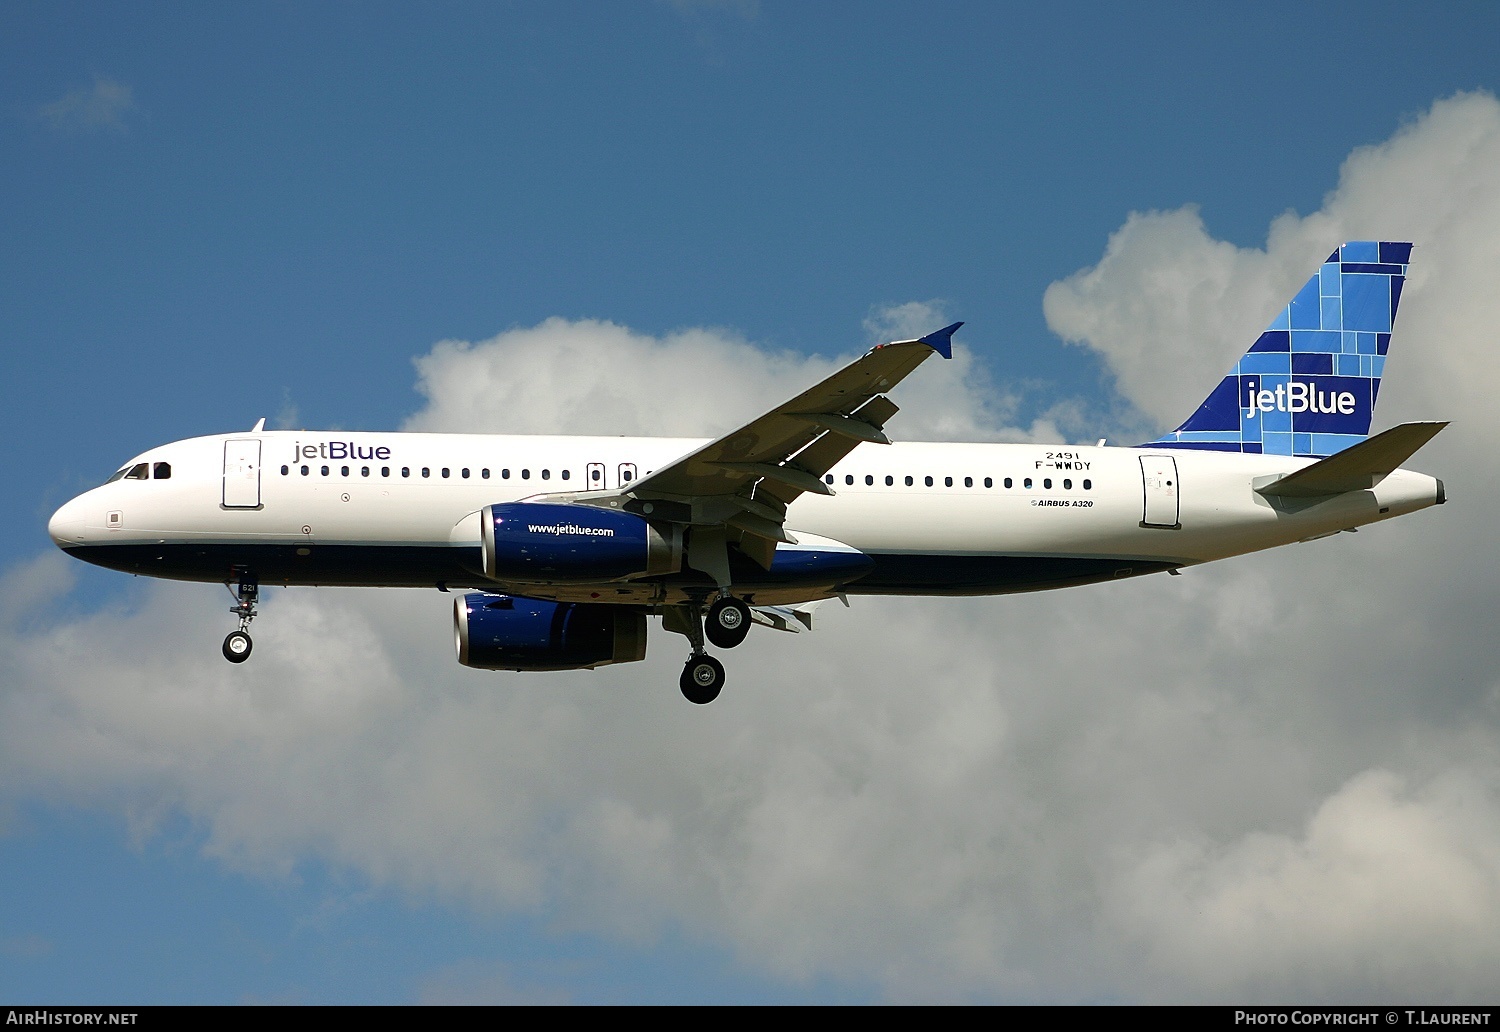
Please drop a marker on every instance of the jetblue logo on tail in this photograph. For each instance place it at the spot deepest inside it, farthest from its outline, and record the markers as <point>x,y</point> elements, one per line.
<point>1308,384</point>
<point>1297,397</point>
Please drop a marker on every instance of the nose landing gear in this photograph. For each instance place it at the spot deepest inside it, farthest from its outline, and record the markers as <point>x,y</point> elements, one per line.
<point>237,644</point>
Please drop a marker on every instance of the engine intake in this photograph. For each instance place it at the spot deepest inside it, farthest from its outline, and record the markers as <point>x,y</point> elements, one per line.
<point>505,632</point>
<point>554,542</point>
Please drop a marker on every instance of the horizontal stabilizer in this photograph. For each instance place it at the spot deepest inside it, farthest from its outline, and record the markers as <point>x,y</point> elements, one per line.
<point>1357,468</point>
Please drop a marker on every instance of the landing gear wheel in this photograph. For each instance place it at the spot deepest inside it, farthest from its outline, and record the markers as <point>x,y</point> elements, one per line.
<point>728,622</point>
<point>237,646</point>
<point>702,679</point>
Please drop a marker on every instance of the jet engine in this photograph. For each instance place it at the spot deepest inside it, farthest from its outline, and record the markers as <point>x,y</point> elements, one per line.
<point>560,542</point>
<point>505,632</point>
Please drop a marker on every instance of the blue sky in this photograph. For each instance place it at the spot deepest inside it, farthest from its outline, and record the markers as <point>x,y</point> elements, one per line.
<point>272,210</point>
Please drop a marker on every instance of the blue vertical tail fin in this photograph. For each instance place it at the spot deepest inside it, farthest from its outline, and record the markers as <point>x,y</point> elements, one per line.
<point>1308,385</point>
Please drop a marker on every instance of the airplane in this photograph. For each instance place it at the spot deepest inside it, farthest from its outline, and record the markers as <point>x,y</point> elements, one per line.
<point>563,546</point>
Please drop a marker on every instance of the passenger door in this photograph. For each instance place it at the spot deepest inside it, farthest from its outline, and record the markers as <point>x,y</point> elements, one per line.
<point>242,474</point>
<point>1160,487</point>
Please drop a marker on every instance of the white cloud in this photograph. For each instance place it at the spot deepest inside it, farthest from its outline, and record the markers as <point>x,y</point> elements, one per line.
<point>1314,916</point>
<point>1270,779</point>
<point>595,377</point>
<point>1170,309</point>
<point>103,106</point>
<point>906,321</point>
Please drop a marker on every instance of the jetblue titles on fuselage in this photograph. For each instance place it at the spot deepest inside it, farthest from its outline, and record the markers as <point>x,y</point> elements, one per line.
<point>336,450</point>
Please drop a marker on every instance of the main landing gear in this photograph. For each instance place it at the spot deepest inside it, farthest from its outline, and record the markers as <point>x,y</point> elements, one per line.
<point>726,626</point>
<point>728,622</point>
<point>702,679</point>
<point>237,644</point>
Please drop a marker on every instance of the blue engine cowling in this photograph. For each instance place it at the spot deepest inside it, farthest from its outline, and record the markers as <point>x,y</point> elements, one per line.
<point>505,632</point>
<point>562,542</point>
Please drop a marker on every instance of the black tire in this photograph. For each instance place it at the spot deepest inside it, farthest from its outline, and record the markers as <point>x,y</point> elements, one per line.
<point>702,680</point>
<point>727,623</point>
<point>237,646</point>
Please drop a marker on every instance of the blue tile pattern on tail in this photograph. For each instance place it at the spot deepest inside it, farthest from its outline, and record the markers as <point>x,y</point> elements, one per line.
<point>1308,385</point>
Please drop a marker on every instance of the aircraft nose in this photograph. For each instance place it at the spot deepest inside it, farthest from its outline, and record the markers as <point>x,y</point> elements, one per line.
<point>66,525</point>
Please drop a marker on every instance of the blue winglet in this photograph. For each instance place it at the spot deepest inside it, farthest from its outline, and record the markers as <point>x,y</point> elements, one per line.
<point>941,341</point>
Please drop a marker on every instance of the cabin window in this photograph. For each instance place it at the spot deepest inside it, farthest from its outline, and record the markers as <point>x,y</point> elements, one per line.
<point>464,473</point>
<point>909,481</point>
<point>484,474</point>
<point>525,474</point>
<point>1088,485</point>
<point>947,481</point>
<point>989,482</point>
<point>505,474</point>
<point>828,479</point>
<point>426,471</point>
<point>385,471</point>
<point>565,474</point>
<point>406,471</point>
<point>889,481</point>
<point>1047,483</point>
<point>1028,481</point>
<point>968,481</point>
<point>849,479</point>
<point>869,480</point>
<point>1009,482</point>
<point>595,475</point>
<point>445,472</point>
<point>325,470</point>
<point>364,471</point>
<point>345,470</point>
<point>546,474</point>
<point>304,471</point>
<point>1067,485</point>
<point>927,481</point>
<point>285,470</point>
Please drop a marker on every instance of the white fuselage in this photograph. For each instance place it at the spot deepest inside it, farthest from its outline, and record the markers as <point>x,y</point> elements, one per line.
<point>296,507</point>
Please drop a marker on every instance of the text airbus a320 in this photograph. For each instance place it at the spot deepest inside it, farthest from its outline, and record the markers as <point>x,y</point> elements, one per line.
<point>565,546</point>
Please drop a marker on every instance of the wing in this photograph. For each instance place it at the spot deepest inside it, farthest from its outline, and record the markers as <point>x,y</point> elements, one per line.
<point>744,481</point>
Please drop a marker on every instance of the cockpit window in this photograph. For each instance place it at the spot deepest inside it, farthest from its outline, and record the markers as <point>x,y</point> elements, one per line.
<point>139,471</point>
<point>161,471</point>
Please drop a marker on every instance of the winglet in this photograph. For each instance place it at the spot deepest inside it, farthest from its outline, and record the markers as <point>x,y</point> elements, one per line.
<point>941,341</point>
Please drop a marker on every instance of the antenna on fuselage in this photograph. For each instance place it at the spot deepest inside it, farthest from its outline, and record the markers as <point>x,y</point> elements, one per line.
<point>260,424</point>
